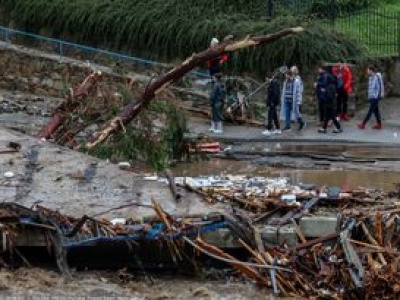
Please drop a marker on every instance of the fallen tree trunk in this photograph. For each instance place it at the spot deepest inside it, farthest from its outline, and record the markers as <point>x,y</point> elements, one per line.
<point>61,113</point>
<point>156,86</point>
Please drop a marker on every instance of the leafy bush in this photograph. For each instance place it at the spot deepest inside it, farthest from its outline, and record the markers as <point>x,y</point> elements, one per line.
<point>147,142</point>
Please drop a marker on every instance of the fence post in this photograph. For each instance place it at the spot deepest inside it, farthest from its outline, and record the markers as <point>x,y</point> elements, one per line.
<point>60,49</point>
<point>398,34</point>
<point>270,9</point>
<point>333,11</point>
<point>7,36</point>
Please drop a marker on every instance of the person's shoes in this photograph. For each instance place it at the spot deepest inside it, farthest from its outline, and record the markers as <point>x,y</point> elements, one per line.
<point>286,129</point>
<point>302,125</point>
<point>337,130</point>
<point>321,130</point>
<point>377,126</point>
<point>345,117</point>
<point>361,125</point>
<point>266,132</point>
<point>212,128</point>
<point>219,128</point>
<point>277,131</point>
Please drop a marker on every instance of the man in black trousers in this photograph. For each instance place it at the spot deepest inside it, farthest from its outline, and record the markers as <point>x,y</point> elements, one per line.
<point>273,99</point>
<point>326,90</point>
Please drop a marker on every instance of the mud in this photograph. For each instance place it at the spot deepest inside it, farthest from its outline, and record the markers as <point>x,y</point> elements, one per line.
<point>121,285</point>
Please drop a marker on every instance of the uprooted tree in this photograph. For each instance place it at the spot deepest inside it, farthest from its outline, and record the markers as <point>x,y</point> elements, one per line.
<point>157,85</point>
<point>61,113</point>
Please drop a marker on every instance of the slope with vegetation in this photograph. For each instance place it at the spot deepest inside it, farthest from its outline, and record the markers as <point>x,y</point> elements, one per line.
<point>175,29</point>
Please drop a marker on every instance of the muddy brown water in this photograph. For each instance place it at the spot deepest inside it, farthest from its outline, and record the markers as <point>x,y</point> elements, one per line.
<point>382,180</point>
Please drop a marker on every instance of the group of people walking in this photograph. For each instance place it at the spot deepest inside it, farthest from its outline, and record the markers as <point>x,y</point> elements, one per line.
<point>332,88</point>
<point>290,101</point>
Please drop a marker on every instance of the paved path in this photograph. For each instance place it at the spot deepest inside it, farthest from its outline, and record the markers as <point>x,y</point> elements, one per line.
<point>390,134</point>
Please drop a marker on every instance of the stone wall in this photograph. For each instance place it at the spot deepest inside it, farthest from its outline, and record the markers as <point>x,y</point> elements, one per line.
<point>35,72</point>
<point>42,75</point>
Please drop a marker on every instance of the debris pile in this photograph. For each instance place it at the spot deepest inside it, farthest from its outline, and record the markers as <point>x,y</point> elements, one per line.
<point>359,260</point>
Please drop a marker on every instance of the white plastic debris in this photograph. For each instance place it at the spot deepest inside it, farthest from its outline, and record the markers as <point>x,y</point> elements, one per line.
<point>118,221</point>
<point>9,174</point>
<point>124,165</point>
<point>323,195</point>
<point>289,198</point>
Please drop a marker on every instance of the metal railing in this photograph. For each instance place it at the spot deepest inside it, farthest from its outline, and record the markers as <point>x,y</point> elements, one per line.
<point>376,28</point>
<point>118,61</point>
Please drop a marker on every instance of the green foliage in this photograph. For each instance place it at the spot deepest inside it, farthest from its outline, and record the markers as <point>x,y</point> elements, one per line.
<point>145,140</point>
<point>177,28</point>
<point>340,7</point>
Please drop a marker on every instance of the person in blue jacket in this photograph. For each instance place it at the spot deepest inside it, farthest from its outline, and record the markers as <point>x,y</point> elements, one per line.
<point>375,94</point>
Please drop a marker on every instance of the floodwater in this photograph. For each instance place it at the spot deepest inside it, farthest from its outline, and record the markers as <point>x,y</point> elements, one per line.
<point>346,179</point>
<point>351,151</point>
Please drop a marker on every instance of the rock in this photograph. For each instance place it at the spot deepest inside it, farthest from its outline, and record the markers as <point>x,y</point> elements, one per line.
<point>58,85</point>
<point>78,175</point>
<point>55,76</point>
<point>48,82</point>
<point>35,80</point>
<point>201,292</point>
<point>124,165</point>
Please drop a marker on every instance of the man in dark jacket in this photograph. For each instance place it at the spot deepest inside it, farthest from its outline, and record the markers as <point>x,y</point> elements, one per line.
<point>217,99</point>
<point>273,99</point>
<point>326,90</point>
<point>320,86</point>
<point>215,64</point>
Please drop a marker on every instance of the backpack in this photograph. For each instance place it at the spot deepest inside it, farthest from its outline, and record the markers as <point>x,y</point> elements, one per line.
<point>339,81</point>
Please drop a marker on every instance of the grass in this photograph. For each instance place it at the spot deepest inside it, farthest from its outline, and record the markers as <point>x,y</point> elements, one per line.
<point>176,28</point>
<point>377,29</point>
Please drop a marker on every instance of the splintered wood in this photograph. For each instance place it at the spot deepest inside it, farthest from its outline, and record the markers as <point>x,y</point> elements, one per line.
<point>359,261</point>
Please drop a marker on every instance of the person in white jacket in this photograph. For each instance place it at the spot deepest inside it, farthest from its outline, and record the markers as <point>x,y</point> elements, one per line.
<point>297,109</point>
<point>292,99</point>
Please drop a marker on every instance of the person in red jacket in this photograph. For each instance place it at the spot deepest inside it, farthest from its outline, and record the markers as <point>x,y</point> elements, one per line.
<point>344,88</point>
<point>214,64</point>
